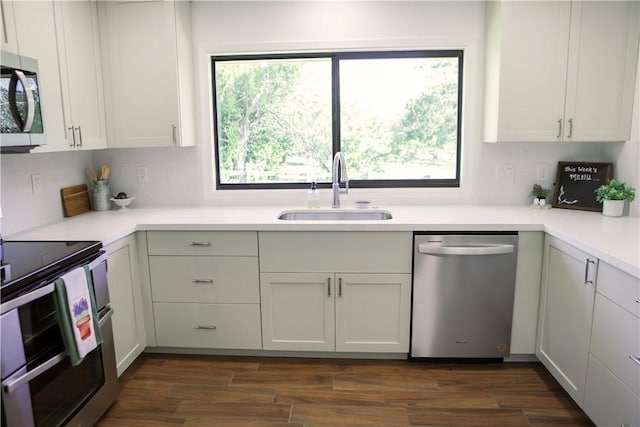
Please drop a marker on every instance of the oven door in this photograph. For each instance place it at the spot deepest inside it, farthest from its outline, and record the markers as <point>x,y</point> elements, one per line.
<point>39,385</point>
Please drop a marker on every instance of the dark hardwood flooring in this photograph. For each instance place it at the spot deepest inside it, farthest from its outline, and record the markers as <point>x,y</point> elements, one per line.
<point>198,391</point>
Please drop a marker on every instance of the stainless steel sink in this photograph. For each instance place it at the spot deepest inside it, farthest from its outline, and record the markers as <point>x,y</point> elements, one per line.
<point>335,215</point>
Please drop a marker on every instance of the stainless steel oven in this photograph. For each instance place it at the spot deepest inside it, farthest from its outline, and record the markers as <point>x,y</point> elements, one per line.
<point>40,387</point>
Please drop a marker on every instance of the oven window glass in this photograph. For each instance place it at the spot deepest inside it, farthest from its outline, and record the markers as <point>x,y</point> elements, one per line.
<point>58,393</point>
<point>61,391</point>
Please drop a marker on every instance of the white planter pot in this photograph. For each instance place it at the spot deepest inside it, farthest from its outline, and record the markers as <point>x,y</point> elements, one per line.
<point>612,207</point>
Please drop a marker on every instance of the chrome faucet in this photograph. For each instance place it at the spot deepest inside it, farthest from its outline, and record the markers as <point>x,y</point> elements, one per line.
<point>338,175</point>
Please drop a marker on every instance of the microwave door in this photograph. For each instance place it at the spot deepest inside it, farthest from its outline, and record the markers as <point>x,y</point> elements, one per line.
<point>15,102</point>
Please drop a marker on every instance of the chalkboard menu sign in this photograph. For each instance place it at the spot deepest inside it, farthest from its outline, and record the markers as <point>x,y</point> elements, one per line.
<point>577,182</point>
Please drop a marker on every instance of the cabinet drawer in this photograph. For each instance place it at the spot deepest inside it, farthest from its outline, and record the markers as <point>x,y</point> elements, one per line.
<point>607,401</point>
<point>615,338</point>
<point>208,325</point>
<point>343,252</point>
<point>204,279</point>
<point>243,243</point>
<point>619,287</point>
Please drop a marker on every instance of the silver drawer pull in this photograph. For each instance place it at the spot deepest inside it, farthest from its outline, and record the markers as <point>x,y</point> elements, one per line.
<point>202,281</point>
<point>206,327</point>
<point>200,243</point>
<point>635,359</point>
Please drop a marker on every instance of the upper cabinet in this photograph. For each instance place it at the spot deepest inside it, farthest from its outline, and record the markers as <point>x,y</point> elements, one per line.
<point>149,73</point>
<point>67,48</point>
<point>560,71</point>
<point>9,37</point>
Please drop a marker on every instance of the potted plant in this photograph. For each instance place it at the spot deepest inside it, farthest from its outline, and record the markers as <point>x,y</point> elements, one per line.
<point>539,195</point>
<point>613,195</point>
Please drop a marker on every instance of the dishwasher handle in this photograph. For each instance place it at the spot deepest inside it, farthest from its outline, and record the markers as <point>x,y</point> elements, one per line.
<point>428,249</point>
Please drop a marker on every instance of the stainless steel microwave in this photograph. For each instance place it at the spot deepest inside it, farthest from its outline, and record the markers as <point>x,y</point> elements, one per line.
<point>21,122</point>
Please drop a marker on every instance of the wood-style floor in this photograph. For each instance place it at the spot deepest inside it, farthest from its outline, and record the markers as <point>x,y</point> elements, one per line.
<point>199,391</point>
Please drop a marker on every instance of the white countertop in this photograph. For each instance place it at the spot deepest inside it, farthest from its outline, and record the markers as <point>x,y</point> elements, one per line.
<point>613,240</point>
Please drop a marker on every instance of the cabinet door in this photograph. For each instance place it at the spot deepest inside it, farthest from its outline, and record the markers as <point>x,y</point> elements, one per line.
<point>527,45</point>
<point>43,46</point>
<point>142,72</point>
<point>566,309</point>
<point>126,300</point>
<point>297,311</point>
<point>373,312</point>
<point>9,36</point>
<point>83,96</point>
<point>602,67</point>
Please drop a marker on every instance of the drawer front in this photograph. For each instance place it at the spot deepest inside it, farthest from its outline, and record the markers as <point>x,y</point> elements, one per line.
<point>233,326</point>
<point>344,252</point>
<point>204,279</point>
<point>619,287</point>
<point>241,243</point>
<point>607,401</point>
<point>615,339</point>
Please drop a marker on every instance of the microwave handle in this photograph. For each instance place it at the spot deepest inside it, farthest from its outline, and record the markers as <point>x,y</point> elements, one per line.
<point>25,125</point>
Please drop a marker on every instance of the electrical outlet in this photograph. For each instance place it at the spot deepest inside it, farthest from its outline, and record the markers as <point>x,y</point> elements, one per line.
<point>35,183</point>
<point>143,173</point>
<point>542,172</point>
<point>505,172</point>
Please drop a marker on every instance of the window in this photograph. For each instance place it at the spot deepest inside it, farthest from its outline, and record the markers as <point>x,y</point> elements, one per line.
<point>395,116</point>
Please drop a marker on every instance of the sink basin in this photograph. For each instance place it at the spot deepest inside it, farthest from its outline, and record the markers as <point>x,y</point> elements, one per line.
<point>335,215</point>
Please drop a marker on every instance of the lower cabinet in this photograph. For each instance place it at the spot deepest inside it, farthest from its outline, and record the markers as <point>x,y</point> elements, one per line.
<point>341,312</point>
<point>332,291</point>
<point>613,374</point>
<point>126,301</point>
<point>566,306</point>
<point>204,289</point>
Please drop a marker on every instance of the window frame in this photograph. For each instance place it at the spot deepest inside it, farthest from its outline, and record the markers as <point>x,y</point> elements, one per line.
<point>335,58</point>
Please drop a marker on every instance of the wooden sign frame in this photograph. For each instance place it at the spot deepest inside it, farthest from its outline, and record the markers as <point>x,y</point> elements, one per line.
<point>576,184</point>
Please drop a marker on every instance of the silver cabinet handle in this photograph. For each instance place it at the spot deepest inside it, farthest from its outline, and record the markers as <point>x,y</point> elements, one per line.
<point>340,286</point>
<point>570,128</point>
<point>79,129</point>
<point>5,35</point>
<point>11,385</point>
<point>465,250</point>
<point>635,359</point>
<point>173,134</point>
<point>202,281</point>
<point>328,286</point>
<point>210,327</point>
<point>586,272</point>
<point>73,136</point>
<point>200,243</point>
<point>559,128</point>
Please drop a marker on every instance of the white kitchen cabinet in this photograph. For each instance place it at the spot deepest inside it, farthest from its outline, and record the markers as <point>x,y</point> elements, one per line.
<point>298,311</point>
<point>204,289</point>
<point>560,71</point>
<point>372,312</point>
<point>81,75</point>
<point>149,73</point>
<point>613,374</point>
<point>126,300</point>
<point>9,36</point>
<point>336,312</point>
<point>335,291</point>
<point>566,307</point>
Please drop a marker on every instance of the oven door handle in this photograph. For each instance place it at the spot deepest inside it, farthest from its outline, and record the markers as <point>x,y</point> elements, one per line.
<point>11,384</point>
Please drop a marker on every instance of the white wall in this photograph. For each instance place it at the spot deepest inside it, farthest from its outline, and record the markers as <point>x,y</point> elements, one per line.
<point>184,176</point>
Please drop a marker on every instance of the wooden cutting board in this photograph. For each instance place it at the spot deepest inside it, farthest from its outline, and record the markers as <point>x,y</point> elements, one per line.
<point>75,200</point>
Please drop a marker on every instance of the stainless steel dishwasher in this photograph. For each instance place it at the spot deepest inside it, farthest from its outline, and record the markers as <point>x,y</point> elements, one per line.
<point>463,287</point>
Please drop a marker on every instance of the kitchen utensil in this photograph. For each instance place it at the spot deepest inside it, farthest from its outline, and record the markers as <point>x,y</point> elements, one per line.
<point>106,173</point>
<point>92,174</point>
<point>75,200</point>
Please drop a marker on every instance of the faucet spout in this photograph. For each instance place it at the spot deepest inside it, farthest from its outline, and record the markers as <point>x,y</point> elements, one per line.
<point>338,175</point>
